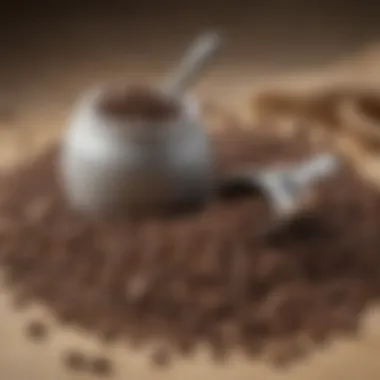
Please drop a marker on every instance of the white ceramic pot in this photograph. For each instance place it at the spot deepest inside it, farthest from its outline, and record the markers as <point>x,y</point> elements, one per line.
<point>114,163</point>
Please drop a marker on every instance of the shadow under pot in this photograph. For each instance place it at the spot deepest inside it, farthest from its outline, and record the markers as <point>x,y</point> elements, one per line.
<point>135,150</point>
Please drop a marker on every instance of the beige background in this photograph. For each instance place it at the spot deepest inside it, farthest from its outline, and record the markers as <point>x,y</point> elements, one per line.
<point>47,61</point>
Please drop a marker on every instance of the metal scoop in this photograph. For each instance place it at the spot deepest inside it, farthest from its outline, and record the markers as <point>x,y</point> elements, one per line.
<point>285,186</point>
<point>195,61</point>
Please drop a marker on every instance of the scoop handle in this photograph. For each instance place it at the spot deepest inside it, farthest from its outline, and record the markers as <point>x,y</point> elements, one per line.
<point>195,60</point>
<point>319,167</point>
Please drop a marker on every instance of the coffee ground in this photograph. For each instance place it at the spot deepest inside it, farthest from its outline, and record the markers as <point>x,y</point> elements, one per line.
<point>219,276</point>
<point>141,103</point>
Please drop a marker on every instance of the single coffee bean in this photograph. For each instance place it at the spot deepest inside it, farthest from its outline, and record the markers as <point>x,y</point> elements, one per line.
<point>36,331</point>
<point>102,366</point>
<point>75,361</point>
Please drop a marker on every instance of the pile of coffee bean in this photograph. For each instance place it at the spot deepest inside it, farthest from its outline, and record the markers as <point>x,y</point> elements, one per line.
<point>221,276</point>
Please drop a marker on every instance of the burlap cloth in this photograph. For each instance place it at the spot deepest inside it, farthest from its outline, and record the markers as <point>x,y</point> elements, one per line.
<point>337,103</point>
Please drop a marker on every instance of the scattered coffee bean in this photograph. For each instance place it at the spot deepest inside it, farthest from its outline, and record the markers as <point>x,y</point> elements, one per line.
<point>36,331</point>
<point>75,361</point>
<point>102,366</point>
<point>161,357</point>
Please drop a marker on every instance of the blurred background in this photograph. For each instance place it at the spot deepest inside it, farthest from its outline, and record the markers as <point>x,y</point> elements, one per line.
<point>51,51</point>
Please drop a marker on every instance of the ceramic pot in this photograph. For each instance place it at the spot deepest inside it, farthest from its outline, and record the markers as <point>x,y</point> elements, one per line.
<point>113,161</point>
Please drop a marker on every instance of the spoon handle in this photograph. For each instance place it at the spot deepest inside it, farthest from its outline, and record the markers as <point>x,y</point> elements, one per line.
<point>316,168</point>
<point>194,62</point>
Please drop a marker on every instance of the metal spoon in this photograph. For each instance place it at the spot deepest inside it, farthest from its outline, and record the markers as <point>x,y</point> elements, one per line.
<point>194,61</point>
<point>284,186</point>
